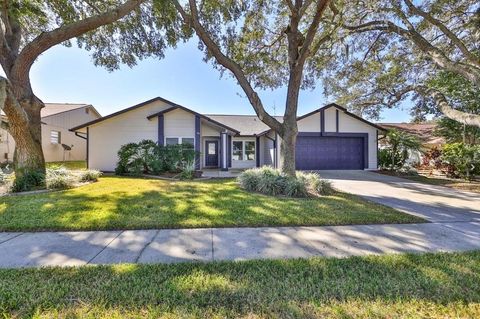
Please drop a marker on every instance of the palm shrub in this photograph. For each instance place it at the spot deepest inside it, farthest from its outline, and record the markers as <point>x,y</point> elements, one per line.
<point>399,143</point>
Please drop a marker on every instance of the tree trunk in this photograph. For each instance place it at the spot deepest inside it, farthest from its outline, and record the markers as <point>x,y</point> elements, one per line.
<point>28,157</point>
<point>287,150</point>
<point>25,126</point>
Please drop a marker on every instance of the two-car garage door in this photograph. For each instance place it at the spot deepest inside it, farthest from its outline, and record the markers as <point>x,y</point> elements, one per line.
<point>329,152</point>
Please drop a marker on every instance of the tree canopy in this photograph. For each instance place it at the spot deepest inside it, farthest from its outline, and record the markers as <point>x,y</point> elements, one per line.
<point>391,48</point>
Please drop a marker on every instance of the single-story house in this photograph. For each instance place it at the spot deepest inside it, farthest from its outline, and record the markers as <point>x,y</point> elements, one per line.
<point>423,131</point>
<point>329,137</point>
<point>58,142</point>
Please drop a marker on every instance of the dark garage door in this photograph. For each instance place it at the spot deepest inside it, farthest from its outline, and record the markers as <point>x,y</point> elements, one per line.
<point>321,153</point>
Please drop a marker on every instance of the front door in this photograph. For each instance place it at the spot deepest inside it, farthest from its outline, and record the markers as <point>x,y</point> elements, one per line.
<point>211,153</point>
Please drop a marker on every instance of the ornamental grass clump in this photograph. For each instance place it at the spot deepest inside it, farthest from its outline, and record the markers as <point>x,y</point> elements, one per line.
<point>270,181</point>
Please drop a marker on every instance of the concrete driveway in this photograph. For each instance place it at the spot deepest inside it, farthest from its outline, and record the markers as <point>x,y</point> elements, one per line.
<point>434,203</point>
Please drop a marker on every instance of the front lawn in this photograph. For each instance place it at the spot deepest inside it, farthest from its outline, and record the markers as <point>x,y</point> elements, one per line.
<point>136,203</point>
<point>398,286</point>
<point>68,164</point>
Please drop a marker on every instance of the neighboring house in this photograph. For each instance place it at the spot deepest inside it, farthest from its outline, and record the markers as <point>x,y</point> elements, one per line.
<point>423,131</point>
<point>57,119</point>
<point>329,137</point>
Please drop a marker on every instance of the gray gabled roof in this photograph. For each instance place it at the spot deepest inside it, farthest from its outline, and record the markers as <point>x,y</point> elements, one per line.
<point>245,124</point>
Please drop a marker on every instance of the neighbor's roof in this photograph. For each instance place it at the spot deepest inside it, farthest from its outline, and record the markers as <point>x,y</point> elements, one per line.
<point>424,131</point>
<point>245,124</point>
<point>55,108</point>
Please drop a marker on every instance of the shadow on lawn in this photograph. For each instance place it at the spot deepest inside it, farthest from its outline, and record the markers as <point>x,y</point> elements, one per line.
<point>293,288</point>
<point>161,204</point>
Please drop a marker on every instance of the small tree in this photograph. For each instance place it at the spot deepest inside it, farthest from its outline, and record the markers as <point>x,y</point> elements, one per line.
<point>399,144</point>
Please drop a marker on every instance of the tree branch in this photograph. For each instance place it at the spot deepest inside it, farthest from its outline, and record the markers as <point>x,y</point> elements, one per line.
<point>455,40</point>
<point>312,31</point>
<point>442,103</point>
<point>65,32</point>
<point>438,56</point>
<point>194,22</point>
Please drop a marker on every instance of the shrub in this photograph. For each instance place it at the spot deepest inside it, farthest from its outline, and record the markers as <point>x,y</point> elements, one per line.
<point>399,144</point>
<point>188,171</point>
<point>248,180</point>
<point>432,158</point>
<point>60,182</point>
<point>385,159</point>
<point>129,160</point>
<point>322,187</point>
<point>461,160</point>
<point>295,187</point>
<point>89,175</point>
<point>146,157</point>
<point>269,181</point>
<point>28,181</point>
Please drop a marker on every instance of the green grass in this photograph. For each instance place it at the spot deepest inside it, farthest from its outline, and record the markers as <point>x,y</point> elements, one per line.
<point>397,286</point>
<point>136,203</point>
<point>69,164</point>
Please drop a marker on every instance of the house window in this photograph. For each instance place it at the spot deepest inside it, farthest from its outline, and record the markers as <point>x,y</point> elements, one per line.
<point>212,149</point>
<point>171,141</point>
<point>55,137</point>
<point>243,150</point>
<point>237,151</point>
<point>187,141</point>
<point>249,151</point>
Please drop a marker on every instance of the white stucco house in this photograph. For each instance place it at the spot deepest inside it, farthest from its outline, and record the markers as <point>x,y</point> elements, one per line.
<point>57,119</point>
<point>329,137</point>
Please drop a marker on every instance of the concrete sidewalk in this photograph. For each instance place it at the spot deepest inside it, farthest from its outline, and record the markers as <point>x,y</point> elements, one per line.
<point>179,245</point>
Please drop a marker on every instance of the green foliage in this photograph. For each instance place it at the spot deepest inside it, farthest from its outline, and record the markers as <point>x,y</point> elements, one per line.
<point>146,157</point>
<point>146,31</point>
<point>89,175</point>
<point>60,178</point>
<point>29,180</point>
<point>455,132</point>
<point>117,202</point>
<point>373,70</point>
<point>270,181</point>
<point>295,187</point>
<point>464,159</point>
<point>399,143</point>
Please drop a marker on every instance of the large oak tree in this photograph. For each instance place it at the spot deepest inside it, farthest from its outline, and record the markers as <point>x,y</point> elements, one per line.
<point>393,48</point>
<point>124,31</point>
<point>266,44</point>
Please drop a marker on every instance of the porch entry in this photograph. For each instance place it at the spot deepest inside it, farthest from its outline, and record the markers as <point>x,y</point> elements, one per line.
<point>211,153</point>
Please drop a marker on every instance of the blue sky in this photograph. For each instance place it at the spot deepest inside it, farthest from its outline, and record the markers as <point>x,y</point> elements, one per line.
<point>68,75</point>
